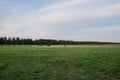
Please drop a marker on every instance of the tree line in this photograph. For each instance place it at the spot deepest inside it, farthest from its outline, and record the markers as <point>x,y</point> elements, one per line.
<point>48,42</point>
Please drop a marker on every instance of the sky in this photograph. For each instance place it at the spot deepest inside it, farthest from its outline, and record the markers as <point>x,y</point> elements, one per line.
<point>79,20</point>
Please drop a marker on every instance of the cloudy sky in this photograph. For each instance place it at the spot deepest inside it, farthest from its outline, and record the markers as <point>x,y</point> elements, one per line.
<point>83,20</point>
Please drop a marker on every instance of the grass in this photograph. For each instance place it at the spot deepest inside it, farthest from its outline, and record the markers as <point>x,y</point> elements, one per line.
<point>59,63</point>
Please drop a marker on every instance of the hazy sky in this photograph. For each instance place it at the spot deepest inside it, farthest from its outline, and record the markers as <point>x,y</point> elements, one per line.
<point>89,20</point>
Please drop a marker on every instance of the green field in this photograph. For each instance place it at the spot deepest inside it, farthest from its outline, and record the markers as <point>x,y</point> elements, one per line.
<point>60,63</point>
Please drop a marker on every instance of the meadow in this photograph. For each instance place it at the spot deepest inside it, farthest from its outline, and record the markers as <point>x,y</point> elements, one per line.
<point>85,62</point>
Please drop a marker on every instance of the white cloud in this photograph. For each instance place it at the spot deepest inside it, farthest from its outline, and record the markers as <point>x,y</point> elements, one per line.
<point>110,10</point>
<point>108,33</point>
<point>44,22</point>
<point>62,5</point>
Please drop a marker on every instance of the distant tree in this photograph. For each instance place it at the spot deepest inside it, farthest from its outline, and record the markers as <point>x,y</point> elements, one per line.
<point>9,41</point>
<point>48,42</point>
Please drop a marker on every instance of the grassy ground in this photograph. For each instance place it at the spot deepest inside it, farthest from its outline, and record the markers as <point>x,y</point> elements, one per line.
<point>59,63</point>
